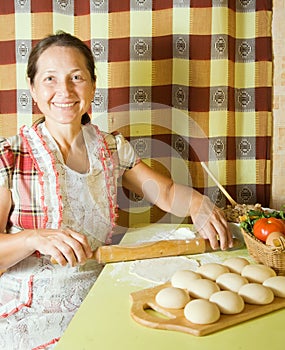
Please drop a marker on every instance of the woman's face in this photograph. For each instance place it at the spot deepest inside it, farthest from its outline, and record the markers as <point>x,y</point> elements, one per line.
<point>63,88</point>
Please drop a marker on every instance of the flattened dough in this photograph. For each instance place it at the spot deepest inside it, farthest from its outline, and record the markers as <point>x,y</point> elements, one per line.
<point>162,269</point>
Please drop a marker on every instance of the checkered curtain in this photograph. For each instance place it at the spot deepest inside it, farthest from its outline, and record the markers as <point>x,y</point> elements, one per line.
<point>184,80</point>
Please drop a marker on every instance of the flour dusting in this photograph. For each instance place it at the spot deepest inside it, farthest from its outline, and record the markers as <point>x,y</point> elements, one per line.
<point>180,233</point>
<point>160,270</point>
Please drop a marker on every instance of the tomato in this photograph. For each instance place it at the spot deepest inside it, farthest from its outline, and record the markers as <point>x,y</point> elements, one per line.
<point>264,226</point>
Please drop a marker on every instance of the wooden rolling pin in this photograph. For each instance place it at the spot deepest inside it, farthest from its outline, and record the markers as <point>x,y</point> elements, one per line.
<point>116,253</point>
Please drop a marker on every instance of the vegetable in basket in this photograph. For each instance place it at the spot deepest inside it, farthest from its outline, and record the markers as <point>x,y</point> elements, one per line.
<point>248,220</point>
<point>264,226</point>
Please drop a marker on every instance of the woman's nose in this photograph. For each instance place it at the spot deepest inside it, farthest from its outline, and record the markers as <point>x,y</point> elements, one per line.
<point>64,87</point>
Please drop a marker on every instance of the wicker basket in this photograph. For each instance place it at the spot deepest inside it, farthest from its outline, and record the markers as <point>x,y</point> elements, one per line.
<point>273,257</point>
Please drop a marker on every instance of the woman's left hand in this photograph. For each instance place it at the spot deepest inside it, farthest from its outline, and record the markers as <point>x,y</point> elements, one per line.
<point>210,222</point>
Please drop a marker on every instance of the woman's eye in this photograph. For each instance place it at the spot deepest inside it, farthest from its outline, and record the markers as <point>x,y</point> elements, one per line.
<point>77,77</point>
<point>49,79</point>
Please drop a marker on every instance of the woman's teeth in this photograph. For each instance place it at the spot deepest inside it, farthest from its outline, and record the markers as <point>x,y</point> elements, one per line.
<point>64,105</point>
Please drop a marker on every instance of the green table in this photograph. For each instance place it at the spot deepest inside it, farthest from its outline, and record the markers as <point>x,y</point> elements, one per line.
<point>103,322</point>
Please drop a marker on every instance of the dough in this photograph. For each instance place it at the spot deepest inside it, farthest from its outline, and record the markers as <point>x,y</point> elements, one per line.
<point>201,311</point>
<point>257,273</point>
<point>257,294</point>
<point>172,298</point>
<point>231,281</point>
<point>203,288</point>
<point>184,278</point>
<point>160,270</point>
<point>277,285</point>
<point>236,264</point>
<point>212,270</point>
<point>229,303</point>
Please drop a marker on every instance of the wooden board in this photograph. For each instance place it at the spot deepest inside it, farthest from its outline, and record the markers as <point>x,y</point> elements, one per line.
<point>147,312</point>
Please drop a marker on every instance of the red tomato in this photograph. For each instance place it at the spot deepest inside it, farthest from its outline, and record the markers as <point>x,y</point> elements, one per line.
<point>264,226</point>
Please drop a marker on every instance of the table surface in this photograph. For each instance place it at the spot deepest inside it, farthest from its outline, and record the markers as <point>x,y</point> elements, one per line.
<point>104,322</point>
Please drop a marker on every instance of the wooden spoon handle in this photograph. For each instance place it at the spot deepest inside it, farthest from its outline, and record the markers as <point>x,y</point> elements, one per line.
<point>221,187</point>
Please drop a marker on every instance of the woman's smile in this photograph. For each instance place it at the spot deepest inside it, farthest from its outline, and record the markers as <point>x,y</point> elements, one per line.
<point>63,105</point>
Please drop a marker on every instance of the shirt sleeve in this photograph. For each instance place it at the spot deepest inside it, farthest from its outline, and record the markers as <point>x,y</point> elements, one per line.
<point>127,157</point>
<point>6,163</point>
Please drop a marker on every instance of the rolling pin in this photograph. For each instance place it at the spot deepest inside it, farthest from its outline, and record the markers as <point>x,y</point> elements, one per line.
<point>118,253</point>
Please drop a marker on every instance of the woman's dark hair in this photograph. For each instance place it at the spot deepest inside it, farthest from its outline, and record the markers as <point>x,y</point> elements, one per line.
<point>85,119</point>
<point>66,40</point>
<point>59,39</point>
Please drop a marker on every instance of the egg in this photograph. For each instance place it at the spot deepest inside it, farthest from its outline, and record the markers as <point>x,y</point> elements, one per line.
<point>272,236</point>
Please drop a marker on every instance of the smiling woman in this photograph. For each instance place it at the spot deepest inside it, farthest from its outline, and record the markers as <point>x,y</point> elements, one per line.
<point>59,179</point>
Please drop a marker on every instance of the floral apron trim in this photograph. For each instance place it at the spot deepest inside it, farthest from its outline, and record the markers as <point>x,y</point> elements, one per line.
<point>14,306</point>
<point>109,166</point>
<point>43,346</point>
<point>48,176</point>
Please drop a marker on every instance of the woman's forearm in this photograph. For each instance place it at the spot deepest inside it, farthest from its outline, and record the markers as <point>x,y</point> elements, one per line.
<point>181,201</point>
<point>14,248</point>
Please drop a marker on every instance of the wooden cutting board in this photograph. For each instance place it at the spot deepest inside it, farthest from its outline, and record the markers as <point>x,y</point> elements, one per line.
<point>147,312</point>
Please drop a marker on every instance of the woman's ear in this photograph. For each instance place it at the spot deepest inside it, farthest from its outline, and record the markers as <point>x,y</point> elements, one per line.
<point>93,91</point>
<point>32,89</point>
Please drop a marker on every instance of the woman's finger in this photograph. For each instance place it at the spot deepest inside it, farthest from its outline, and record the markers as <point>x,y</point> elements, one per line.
<point>66,246</point>
<point>83,249</point>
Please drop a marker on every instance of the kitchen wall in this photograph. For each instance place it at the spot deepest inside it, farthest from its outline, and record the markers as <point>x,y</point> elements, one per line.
<point>278,151</point>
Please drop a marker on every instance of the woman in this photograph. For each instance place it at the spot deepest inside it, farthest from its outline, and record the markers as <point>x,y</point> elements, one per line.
<point>58,198</point>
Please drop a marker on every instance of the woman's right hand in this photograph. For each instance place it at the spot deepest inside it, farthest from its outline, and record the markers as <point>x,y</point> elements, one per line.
<point>65,246</point>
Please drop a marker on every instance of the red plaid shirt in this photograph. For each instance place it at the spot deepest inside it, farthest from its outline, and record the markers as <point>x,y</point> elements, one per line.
<point>19,174</point>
